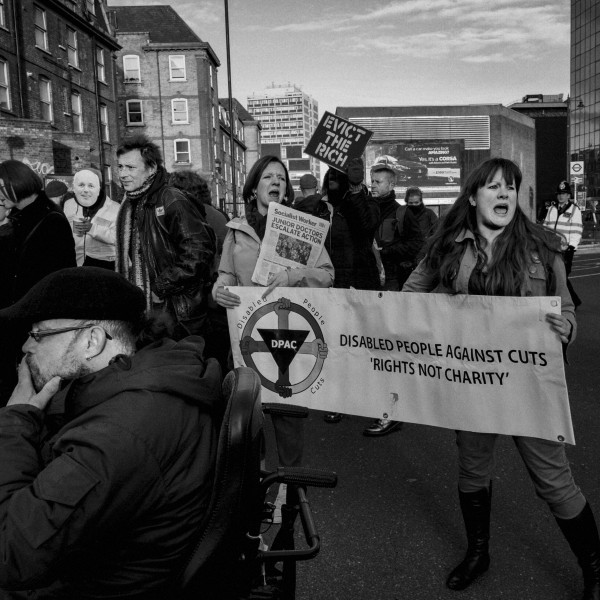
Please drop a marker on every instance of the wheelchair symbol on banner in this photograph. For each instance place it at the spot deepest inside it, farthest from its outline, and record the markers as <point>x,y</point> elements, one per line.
<point>284,344</point>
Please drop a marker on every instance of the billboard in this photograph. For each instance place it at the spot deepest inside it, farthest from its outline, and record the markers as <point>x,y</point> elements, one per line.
<point>435,166</point>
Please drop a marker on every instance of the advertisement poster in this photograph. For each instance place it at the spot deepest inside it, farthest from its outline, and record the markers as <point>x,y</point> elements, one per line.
<point>476,363</point>
<point>434,166</point>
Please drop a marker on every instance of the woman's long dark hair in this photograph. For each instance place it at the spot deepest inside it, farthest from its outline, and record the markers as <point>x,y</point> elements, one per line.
<point>512,249</point>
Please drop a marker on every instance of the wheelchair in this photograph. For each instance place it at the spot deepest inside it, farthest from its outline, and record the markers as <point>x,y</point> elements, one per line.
<point>229,560</point>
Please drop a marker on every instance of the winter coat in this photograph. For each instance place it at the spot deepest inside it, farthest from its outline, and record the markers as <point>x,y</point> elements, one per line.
<point>350,240</point>
<point>240,254</point>
<point>108,502</point>
<point>176,247</point>
<point>43,243</point>
<point>422,279</point>
<point>398,237</point>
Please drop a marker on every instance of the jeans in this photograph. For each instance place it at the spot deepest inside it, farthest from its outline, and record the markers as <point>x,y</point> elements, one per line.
<point>545,460</point>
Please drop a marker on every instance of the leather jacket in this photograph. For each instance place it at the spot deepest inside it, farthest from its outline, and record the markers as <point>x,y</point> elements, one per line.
<point>177,248</point>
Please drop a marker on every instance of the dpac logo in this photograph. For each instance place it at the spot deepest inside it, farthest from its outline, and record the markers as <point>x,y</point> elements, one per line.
<point>283,344</point>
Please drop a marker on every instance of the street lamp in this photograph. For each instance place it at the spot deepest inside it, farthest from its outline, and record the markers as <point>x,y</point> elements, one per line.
<point>231,141</point>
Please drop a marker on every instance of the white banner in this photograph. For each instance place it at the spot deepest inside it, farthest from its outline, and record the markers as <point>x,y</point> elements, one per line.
<point>476,363</point>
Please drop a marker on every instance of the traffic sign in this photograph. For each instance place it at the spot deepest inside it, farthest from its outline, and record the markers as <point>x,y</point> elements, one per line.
<point>577,167</point>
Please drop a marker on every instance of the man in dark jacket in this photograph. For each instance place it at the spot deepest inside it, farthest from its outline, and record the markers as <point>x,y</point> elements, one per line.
<point>163,245</point>
<point>399,239</point>
<point>426,218</point>
<point>103,482</point>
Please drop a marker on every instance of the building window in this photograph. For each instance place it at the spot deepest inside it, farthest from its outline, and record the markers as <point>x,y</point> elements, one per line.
<point>177,68</point>
<point>179,110</point>
<point>131,68</point>
<point>100,66</point>
<point>91,6</point>
<point>210,74</point>
<point>182,151</point>
<point>72,47</point>
<point>41,29</point>
<point>45,89</point>
<point>2,14</point>
<point>135,113</point>
<point>4,85</point>
<point>76,112</point>
<point>104,123</point>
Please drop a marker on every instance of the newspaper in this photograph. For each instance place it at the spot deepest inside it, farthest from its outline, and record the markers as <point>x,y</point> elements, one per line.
<point>293,240</point>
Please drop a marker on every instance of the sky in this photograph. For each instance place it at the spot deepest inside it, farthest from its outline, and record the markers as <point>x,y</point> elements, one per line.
<point>387,52</point>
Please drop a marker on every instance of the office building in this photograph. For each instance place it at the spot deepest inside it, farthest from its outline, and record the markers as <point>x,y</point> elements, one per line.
<point>550,113</point>
<point>288,117</point>
<point>584,101</point>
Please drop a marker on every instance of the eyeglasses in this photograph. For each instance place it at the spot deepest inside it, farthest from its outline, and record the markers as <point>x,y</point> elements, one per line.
<point>38,335</point>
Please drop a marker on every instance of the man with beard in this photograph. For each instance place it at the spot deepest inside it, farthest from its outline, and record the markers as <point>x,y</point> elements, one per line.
<point>163,244</point>
<point>107,454</point>
<point>399,240</point>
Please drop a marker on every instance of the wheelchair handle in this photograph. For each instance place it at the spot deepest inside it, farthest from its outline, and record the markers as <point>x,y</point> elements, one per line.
<point>301,476</point>
<point>310,533</point>
<point>285,410</point>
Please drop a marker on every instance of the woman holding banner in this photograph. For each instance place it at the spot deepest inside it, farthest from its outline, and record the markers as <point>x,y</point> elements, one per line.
<point>268,181</point>
<point>487,245</point>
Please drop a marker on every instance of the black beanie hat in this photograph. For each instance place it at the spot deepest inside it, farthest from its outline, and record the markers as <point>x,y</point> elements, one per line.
<point>80,293</point>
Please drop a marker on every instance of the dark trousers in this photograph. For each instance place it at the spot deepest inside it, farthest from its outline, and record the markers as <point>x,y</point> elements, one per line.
<point>568,255</point>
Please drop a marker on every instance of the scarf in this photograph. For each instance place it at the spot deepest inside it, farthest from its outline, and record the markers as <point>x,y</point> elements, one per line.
<point>129,262</point>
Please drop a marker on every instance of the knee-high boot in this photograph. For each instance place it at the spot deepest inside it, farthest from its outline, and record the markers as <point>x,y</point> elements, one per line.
<point>475,508</point>
<point>582,534</point>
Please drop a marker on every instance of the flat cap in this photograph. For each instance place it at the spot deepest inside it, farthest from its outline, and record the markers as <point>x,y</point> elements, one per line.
<point>79,293</point>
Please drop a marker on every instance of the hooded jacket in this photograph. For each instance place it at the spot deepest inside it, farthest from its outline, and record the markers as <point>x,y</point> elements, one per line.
<point>108,501</point>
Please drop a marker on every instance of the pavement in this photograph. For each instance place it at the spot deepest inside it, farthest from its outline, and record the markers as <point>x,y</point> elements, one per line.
<point>392,529</point>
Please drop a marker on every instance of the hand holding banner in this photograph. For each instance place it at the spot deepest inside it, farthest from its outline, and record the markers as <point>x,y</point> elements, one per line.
<point>476,363</point>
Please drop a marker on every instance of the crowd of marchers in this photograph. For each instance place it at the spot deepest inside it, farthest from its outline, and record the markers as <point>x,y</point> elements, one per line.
<point>113,318</point>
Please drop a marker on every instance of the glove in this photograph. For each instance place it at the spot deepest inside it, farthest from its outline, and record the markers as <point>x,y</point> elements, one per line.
<point>355,171</point>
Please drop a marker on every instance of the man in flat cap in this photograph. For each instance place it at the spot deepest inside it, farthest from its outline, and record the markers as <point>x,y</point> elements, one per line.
<point>107,453</point>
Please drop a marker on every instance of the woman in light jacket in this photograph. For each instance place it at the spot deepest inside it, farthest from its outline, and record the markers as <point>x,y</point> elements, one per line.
<point>268,181</point>
<point>92,215</point>
<point>486,245</point>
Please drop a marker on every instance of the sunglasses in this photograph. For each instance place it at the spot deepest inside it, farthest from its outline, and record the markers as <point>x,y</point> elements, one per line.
<point>38,335</point>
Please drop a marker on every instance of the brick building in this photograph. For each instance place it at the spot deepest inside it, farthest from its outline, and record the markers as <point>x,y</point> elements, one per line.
<point>57,95</point>
<point>246,138</point>
<point>167,87</point>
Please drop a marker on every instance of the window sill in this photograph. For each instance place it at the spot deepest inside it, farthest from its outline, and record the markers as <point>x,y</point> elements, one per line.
<point>136,124</point>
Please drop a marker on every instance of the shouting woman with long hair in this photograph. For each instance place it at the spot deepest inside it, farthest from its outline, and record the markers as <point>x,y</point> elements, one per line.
<point>486,245</point>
